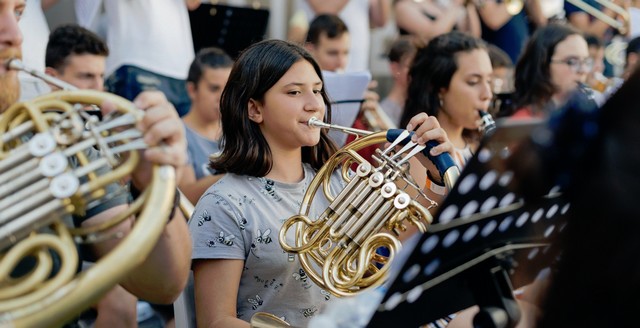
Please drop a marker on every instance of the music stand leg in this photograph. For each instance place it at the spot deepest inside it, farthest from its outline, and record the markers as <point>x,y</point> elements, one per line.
<point>493,293</point>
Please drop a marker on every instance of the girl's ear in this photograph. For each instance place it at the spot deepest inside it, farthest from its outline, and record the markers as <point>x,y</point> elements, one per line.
<point>442,92</point>
<point>255,111</point>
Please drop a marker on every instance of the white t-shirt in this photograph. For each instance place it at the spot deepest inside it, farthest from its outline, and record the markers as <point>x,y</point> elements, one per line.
<point>355,15</point>
<point>150,34</point>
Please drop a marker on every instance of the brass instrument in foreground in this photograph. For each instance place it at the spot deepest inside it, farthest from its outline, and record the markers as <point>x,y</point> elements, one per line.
<point>338,250</point>
<point>39,189</point>
<point>621,25</point>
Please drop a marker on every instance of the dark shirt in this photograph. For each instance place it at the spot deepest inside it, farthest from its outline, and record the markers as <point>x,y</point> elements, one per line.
<point>511,37</point>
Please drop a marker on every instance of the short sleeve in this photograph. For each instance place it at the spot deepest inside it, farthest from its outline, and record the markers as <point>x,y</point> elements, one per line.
<point>215,231</point>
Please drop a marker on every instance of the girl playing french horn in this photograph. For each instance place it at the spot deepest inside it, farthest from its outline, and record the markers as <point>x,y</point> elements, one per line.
<point>270,156</point>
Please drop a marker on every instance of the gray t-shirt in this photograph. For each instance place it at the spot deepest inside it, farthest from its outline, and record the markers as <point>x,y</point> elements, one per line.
<point>199,149</point>
<point>240,217</point>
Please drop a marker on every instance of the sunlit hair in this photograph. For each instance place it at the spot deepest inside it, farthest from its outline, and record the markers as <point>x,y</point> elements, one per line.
<point>532,79</point>
<point>72,39</point>
<point>431,71</point>
<point>332,25</point>
<point>403,47</point>
<point>211,57</point>
<point>258,69</point>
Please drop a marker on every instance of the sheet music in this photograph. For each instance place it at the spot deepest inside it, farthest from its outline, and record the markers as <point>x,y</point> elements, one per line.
<point>634,18</point>
<point>345,91</point>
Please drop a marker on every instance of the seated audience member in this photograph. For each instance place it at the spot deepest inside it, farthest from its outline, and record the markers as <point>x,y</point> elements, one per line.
<point>400,57</point>
<point>427,19</point>
<point>207,78</point>
<point>554,63</point>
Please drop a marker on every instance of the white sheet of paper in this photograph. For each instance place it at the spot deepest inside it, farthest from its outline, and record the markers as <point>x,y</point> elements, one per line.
<point>634,19</point>
<point>349,86</point>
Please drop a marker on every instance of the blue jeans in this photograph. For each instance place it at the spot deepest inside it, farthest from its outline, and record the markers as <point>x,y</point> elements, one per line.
<point>128,81</point>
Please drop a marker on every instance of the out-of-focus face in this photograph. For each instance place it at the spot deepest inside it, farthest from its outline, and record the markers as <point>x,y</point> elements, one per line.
<point>10,47</point>
<point>595,79</point>
<point>205,96</point>
<point>597,56</point>
<point>332,54</point>
<point>84,71</point>
<point>502,80</point>
<point>569,65</point>
<point>400,70</point>
<point>287,107</point>
<point>469,91</point>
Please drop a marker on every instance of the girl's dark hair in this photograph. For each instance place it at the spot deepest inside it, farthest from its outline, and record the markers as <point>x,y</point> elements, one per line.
<point>532,79</point>
<point>260,67</point>
<point>432,69</point>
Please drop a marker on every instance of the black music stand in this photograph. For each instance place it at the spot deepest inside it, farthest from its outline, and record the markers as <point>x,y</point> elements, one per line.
<point>485,239</point>
<point>229,28</point>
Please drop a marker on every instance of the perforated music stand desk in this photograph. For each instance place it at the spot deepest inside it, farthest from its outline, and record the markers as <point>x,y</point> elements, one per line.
<point>227,27</point>
<point>484,241</point>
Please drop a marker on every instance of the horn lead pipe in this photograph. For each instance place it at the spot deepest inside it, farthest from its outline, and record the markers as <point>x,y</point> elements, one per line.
<point>16,64</point>
<point>315,122</point>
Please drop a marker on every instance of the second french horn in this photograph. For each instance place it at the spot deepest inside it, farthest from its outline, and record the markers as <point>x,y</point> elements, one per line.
<point>339,250</point>
<point>40,189</point>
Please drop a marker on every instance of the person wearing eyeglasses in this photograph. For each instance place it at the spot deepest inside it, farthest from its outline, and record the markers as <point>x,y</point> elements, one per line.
<point>555,62</point>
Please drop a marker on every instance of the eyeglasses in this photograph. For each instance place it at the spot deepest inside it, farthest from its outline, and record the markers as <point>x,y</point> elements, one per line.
<point>576,64</point>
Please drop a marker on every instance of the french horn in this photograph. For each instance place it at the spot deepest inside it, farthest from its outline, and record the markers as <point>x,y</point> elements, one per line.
<point>339,249</point>
<point>40,189</point>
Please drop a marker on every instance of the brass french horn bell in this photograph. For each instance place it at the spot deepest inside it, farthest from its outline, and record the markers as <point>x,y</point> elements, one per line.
<point>338,250</point>
<point>39,189</point>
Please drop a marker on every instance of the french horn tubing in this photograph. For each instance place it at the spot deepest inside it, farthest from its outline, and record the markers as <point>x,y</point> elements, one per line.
<point>338,250</point>
<point>39,189</point>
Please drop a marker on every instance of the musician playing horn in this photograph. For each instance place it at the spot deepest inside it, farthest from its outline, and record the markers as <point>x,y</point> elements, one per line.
<point>164,273</point>
<point>270,155</point>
